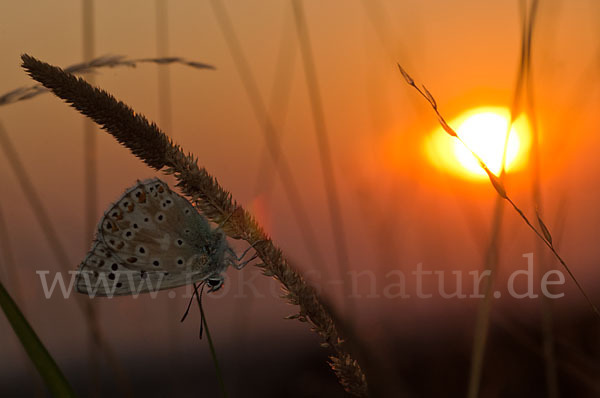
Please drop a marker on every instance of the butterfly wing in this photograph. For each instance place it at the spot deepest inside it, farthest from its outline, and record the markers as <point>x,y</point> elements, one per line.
<point>150,239</point>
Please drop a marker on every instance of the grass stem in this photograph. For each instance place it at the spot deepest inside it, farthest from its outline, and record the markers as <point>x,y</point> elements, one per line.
<point>211,346</point>
<point>499,187</point>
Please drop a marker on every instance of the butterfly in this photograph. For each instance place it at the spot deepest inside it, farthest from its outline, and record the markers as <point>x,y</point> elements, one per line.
<point>152,239</point>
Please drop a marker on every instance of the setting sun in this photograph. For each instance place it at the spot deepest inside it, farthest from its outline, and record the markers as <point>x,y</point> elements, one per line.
<point>484,131</point>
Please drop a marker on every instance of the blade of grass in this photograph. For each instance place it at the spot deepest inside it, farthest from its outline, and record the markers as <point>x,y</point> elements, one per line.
<point>165,112</point>
<point>8,260</point>
<point>46,365</point>
<point>550,367</point>
<point>146,141</point>
<point>572,362</point>
<point>500,189</point>
<point>330,184</point>
<point>11,276</point>
<point>56,247</point>
<point>273,144</point>
<point>484,309</point>
<point>90,193</point>
<point>493,253</point>
<point>278,102</point>
<point>163,77</point>
<point>211,346</point>
<point>90,67</point>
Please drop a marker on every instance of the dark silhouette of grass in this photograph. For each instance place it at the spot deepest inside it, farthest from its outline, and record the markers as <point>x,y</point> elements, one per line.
<point>482,324</point>
<point>10,276</point>
<point>493,253</point>
<point>326,161</point>
<point>89,67</point>
<point>272,141</point>
<point>279,101</point>
<point>51,374</point>
<point>543,233</point>
<point>165,113</point>
<point>56,247</point>
<point>158,151</point>
<point>90,192</point>
<point>536,197</point>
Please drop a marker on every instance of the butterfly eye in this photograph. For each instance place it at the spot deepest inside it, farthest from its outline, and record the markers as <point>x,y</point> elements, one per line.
<point>214,284</point>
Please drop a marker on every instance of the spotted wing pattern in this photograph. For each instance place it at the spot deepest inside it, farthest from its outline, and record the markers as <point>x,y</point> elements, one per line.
<point>151,239</point>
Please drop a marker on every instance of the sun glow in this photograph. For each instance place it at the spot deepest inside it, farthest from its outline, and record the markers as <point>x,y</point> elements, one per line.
<point>484,131</point>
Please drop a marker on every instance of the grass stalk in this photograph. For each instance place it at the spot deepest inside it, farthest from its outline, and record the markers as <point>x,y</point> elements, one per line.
<point>163,76</point>
<point>165,113</point>
<point>330,184</point>
<point>46,365</point>
<point>213,352</point>
<point>571,364</point>
<point>272,141</point>
<point>484,309</point>
<point>278,103</point>
<point>544,233</point>
<point>550,367</point>
<point>266,177</point>
<point>34,200</point>
<point>56,247</point>
<point>90,188</point>
<point>90,67</point>
<point>147,142</point>
<point>492,257</point>
<point>12,279</point>
<point>8,260</point>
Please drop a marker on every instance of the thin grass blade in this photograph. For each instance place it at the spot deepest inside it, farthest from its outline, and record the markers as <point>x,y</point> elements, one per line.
<point>46,365</point>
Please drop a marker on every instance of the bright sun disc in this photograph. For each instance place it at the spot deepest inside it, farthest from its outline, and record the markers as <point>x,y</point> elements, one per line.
<point>484,131</point>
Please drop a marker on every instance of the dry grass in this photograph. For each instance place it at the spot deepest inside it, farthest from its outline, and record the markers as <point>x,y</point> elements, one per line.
<point>543,233</point>
<point>88,67</point>
<point>270,133</point>
<point>147,142</point>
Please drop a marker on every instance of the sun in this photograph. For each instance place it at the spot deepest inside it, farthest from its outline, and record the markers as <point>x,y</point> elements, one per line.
<point>484,131</point>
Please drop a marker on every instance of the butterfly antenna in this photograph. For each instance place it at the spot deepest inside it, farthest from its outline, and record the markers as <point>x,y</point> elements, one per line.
<point>199,300</point>
<point>187,310</point>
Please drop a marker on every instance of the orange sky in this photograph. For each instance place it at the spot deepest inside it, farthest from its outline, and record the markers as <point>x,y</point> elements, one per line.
<point>466,52</point>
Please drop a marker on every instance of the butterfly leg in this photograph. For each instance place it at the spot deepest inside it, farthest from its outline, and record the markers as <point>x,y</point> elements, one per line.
<point>236,263</point>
